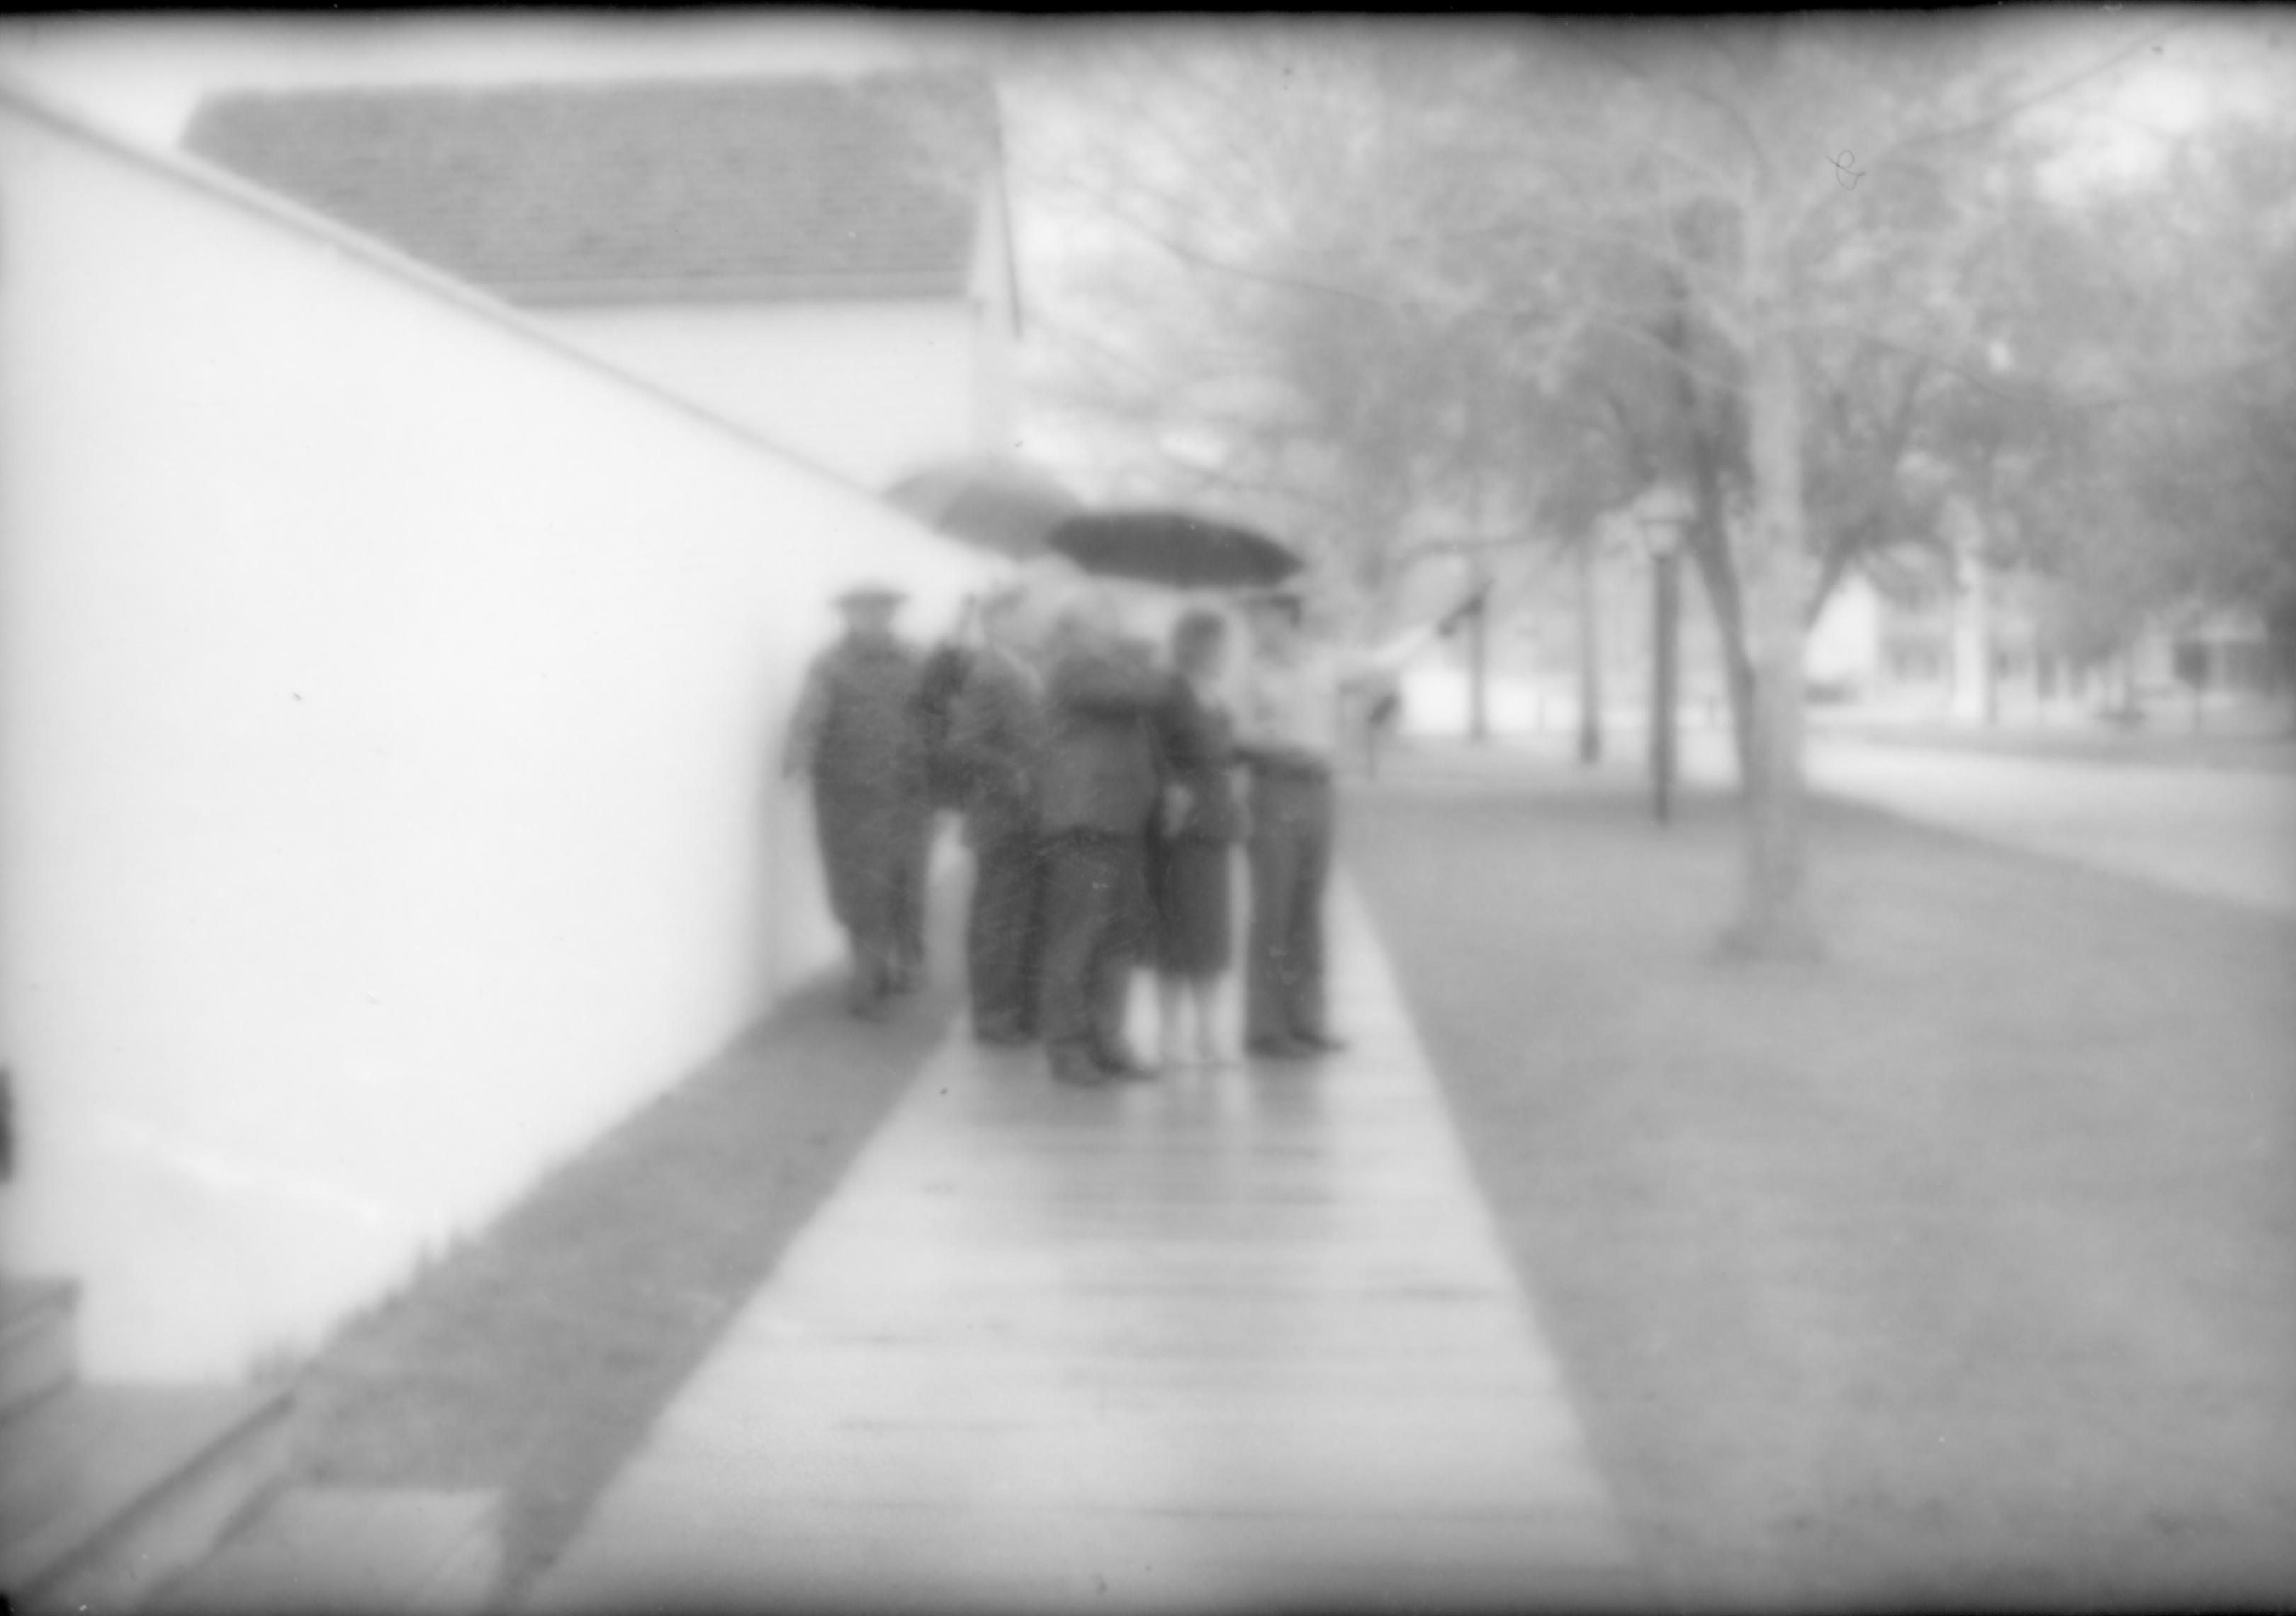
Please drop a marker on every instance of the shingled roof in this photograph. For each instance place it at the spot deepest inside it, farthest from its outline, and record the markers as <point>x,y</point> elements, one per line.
<point>582,193</point>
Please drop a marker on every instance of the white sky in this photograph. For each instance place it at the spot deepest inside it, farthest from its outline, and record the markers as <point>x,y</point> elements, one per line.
<point>141,75</point>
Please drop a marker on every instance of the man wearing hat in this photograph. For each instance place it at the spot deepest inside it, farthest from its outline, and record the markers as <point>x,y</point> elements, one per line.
<point>1288,731</point>
<point>857,733</point>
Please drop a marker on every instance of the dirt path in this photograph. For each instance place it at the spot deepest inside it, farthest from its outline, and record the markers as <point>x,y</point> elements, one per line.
<point>1954,1270</point>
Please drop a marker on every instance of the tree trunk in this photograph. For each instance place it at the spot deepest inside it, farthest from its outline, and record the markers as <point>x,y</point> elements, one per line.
<point>1709,535</point>
<point>1776,921</point>
<point>1709,547</point>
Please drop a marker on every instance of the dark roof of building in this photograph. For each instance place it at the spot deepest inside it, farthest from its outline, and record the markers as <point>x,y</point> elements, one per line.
<point>695,188</point>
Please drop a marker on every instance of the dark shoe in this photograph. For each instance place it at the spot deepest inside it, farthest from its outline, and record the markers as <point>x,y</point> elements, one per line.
<point>1278,1049</point>
<point>1077,1069</point>
<point>1003,1037</point>
<point>1322,1043</point>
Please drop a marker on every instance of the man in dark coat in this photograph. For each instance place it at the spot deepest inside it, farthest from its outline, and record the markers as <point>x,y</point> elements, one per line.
<point>857,732</point>
<point>1099,789</point>
<point>995,748</point>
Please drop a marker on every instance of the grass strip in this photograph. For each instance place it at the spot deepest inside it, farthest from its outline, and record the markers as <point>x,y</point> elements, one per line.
<point>533,1356</point>
<point>1951,1271</point>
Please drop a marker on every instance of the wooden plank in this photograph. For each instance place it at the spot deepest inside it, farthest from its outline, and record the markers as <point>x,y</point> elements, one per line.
<point>328,1551</point>
<point>1236,1336</point>
<point>944,1559</point>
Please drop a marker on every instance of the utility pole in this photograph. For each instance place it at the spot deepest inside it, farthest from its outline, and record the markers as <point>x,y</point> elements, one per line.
<point>1479,653</point>
<point>1666,614</point>
<point>1662,514</point>
<point>1590,656</point>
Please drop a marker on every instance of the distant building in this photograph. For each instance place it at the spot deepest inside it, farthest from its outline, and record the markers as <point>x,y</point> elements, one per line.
<point>826,261</point>
<point>1973,647</point>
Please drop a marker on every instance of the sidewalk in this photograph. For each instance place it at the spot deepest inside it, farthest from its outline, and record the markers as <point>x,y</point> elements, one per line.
<point>1231,1339</point>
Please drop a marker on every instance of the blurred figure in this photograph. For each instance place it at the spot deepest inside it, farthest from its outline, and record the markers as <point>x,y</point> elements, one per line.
<point>995,742</point>
<point>1188,854</point>
<point>939,681</point>
<point>942,677</point>
<point>856,732</point>
<point>1288,730</point>
<point>1099,791</point>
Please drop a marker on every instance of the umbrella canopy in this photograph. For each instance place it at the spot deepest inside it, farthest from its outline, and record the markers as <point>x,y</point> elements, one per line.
<point>1173,547</point>
<point>995,501</point>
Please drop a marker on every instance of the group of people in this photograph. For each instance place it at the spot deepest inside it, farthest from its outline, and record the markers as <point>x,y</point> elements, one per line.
<point>1103,788</point>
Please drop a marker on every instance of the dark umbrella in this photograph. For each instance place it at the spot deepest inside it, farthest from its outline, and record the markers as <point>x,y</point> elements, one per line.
<point>1173,547</point>
<point>995,501</point>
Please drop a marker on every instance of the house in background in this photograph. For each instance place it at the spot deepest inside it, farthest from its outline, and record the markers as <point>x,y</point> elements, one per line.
<point>826,261</point>
<point>1978,647</point>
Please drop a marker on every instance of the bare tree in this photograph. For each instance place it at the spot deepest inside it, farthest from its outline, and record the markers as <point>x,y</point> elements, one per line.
<point>1412,279</point>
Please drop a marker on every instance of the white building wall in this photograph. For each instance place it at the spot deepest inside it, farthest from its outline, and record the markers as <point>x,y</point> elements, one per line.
<point>387,703</point>
<point>996,330</point>
<point>869,388</point>
<point>1844,645</point>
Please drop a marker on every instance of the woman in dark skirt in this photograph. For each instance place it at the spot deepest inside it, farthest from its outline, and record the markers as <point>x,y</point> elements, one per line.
<point>1188,854</point>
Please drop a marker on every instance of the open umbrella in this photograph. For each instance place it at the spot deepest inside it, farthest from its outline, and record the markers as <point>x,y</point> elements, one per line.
<point>1173,547</point>
<point>998,502</point>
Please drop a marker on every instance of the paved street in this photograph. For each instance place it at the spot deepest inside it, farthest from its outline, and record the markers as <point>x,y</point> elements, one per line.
<point>2217,834</point>
<point>1241,1339</point>
<point>1706,1320</point>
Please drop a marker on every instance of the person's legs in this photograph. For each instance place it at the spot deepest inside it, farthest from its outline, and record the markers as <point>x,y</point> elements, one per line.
<point>862,865</point>
<point>984,964</point>
<point>1033,880</point>
<point>1171,994</point>
<point>1119,942</point>
<point>912,869</point>
<point>1072,923</point>
<point>1273,858</point>
<point>1303,941</point>
<point>864,987</point>
<point>1205,991</point>
<point>1001,936</point>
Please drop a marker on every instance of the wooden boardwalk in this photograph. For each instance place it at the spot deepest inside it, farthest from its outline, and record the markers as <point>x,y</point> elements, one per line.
<point>1228,1341</point>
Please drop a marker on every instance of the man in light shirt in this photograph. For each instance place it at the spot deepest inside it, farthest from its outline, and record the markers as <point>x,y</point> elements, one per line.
<point>1288,729</point>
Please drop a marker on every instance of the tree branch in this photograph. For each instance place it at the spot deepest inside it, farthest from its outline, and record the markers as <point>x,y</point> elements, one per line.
<point>2020,106</point>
